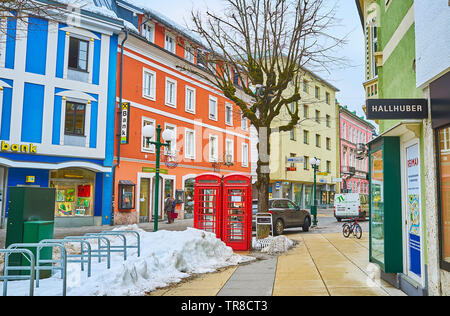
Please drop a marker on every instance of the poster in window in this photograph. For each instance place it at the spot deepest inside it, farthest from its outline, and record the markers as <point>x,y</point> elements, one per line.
<point>64,209</point>
<point>70,195</point>
<point>60,195</point>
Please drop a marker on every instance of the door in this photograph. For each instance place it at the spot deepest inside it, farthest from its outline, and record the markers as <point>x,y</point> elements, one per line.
<point>144,201</point>
<point>412,212</point>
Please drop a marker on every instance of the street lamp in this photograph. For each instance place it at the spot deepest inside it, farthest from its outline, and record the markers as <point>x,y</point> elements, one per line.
<point>168,135</point>
<point>315,163</point>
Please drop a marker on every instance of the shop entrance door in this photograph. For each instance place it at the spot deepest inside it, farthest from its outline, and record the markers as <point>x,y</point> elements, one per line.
<point>412,212</point>
<point>144,200</point>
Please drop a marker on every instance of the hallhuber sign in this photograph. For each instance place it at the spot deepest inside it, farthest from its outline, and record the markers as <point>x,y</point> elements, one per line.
<point>397,109</point>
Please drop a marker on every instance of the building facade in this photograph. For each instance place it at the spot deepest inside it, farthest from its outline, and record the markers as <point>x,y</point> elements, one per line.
<point>211,135</point>
<point>355,133</point>
<point>407,161</point>
<point>316,136</point>
<point>57,91</point>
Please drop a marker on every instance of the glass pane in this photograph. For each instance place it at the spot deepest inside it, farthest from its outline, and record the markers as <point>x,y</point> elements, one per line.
<point>377,207</point>
<point>73,53</point>
<point>70,118</point>
<point>445,192</point>
<point>79,119</point>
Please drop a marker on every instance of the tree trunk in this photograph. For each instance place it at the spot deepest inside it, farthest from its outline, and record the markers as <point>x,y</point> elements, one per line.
<point>263,182</point>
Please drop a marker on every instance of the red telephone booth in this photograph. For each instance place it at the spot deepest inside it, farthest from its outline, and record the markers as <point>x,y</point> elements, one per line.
<point>237,211</point>
<point>208,203</point>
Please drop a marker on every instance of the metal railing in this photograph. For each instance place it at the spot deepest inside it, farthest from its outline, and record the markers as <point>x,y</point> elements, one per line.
<point>103,247</point>
<point>118,248</point>
<point>44,264</point>
<point>138,239</point>
<point>29,256</point>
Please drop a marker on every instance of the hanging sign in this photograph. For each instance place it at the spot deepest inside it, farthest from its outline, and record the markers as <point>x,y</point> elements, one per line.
<point>396,109</point>
<point>124,123</point>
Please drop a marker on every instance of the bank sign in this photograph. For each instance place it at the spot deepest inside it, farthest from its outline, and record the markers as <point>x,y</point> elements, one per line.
<point>397,109</point>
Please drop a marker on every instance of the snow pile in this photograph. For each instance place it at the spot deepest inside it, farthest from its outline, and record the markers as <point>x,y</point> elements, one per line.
<point>277,245</point>
<point>166,257</point>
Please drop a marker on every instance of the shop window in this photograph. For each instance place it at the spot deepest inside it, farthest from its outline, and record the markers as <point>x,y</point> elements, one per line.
<point>189,189</point>
<point>74,192</point>
<point>126,195</point>
<point>444,183</point>
<point>75,119</point>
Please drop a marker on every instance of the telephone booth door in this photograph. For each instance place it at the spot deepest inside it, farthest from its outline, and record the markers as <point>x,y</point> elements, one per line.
<point>237,211</point>
<point>208,203</point>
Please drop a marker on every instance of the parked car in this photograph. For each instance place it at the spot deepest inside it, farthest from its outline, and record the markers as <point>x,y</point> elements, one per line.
<point>285,214</point>
<point>351,205</point>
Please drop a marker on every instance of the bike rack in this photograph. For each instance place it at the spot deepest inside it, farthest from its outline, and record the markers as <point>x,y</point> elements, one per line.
<point>62,262</point>
<point>104,247</point>
<point>120,248</point>
<point>84,257</point>
<point>6,277</point>
<point>138,238</point>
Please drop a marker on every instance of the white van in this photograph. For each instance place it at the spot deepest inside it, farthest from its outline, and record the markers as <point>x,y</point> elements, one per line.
<point>351,205</point>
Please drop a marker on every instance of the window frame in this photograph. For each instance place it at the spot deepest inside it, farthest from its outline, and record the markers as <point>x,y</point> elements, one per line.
<point>230,107</point>
<point>151,149</point>
<point>306,137</point>
<point>216,117</point>
<point>83,134</point>
<point>194,99</point>
<point>169,35</point>
<point>152,95</point>
<point>87,70</point>
<point>175,84</point>
<point>188,52</point>
<point>213,158</point>
<point>229,141</point>
<point>318,141</point>
<point>244,127</point>
<point>244,162</point>
<point>144,34</point>
<point>187,153</point>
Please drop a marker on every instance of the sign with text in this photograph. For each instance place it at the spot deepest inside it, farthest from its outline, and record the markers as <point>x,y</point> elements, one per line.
<point>397,109</point>
<point>124,123</point>
<point>153,170</point>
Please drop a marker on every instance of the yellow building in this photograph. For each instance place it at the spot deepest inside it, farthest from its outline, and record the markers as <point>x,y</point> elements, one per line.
<point>316,136</point>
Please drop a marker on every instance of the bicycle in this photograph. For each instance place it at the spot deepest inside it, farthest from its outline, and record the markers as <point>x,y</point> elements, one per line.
<point>353,228</point>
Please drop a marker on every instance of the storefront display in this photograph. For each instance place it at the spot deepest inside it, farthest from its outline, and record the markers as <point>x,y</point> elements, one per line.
<point>189,186</point>
<point>377,210</point>
<point>74,192</point>
<point>444,182</point>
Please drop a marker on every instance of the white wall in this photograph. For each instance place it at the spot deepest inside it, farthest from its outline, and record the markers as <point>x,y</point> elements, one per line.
<point>432,23</point>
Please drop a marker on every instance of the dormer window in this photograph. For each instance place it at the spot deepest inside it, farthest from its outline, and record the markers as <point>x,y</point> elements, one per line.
<point>148,31</point>
<point>170,43</point>
<point>189,54</point>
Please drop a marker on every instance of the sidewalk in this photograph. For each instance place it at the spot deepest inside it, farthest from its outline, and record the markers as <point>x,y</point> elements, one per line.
<point>320,265</point>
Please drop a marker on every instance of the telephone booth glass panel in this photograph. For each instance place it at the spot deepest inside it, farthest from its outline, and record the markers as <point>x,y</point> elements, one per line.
<point>208,203</point>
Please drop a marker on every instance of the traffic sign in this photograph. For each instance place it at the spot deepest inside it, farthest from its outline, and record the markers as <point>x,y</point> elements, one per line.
<point>322,173</point>
<point>295,160</point>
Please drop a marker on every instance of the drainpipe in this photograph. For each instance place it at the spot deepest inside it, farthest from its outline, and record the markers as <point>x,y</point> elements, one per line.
<point>118,131</point>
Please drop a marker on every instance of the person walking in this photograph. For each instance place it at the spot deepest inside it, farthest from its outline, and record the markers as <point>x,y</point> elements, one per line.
<point>172,212</point>
<point>168,208</point>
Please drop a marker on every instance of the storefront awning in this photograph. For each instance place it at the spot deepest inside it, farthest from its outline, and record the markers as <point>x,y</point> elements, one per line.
<point>402,128</point>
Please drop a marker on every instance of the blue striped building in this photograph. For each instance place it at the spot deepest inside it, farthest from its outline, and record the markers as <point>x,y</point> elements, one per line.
<point>57,110</point>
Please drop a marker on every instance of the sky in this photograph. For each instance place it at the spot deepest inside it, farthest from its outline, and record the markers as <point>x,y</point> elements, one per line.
<point>348,79</point>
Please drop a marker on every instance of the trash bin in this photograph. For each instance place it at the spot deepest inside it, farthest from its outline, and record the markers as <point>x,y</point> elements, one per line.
<point>31,215</point>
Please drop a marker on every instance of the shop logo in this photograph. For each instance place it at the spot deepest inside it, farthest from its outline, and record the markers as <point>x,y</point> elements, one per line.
<point>28,149</point>
<point>413,162</point>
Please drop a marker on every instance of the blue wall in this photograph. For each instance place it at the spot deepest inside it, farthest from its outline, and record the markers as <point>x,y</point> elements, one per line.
<point>37,45</point>
<point>6,111</point>
<point>111,112</point>
<point>33,111</point>
<point>11,43</point>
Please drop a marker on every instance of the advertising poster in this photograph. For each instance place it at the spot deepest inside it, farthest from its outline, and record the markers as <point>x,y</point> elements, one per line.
<point>413,207</point>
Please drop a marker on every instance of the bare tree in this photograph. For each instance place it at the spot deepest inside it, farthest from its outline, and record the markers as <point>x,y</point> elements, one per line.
<point>256,54</point>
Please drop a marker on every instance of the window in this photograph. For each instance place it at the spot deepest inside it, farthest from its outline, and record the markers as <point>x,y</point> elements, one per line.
<point>173,144</point>
<point>229,150</point>
<point>328,121</point>
<point>306,163</point>
<point>78,54</point>
<point>149,84</point>
<point>328,166</point>
<point>374,48</point>
<point>327,97</point>
<point>317,116</point>
<point>171,92</point>
<point>213,148</point>
<point>306,137</point>
<point>244,124</point>
<point>213,108</point>
<point>189,144</point>
<point>146,147</point>
<point>75,119</point>
<point>190,100</point>
<point>305,86</point>
<point>317,92</point>
<point>189,54</point>
<point>317,140</point>
<point>229,114</point>
<point>148,31</point>
<point>170,43</point>
<point>306,111</point>
<point>293,134</point>
<point>344,131</point>
<point>244,155</point>
<point>328,143</point>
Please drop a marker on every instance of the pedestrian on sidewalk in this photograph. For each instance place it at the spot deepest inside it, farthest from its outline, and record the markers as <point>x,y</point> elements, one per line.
<point>172,213</point>
<point>168,208</point>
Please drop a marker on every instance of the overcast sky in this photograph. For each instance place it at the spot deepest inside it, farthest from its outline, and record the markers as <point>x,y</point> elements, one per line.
<point>348,80</point>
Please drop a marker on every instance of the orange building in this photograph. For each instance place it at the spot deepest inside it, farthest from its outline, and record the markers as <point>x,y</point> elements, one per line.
<point>211,135</point>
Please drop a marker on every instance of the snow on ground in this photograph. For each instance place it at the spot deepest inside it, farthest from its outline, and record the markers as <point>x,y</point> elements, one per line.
<point>273,245</point>
<point>166,257</point>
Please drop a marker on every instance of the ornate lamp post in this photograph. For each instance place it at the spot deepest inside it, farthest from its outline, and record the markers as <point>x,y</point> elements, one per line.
<point>315,163</point>
<point>149,132</point>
